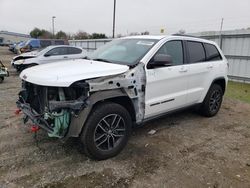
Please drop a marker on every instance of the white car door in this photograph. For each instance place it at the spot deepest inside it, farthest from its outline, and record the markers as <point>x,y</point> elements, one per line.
<point>199,72</point>
<point>55,54</point>
<point>166,87</point>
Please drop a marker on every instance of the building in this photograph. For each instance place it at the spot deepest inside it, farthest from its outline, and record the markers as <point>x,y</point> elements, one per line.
<point>7,38</point>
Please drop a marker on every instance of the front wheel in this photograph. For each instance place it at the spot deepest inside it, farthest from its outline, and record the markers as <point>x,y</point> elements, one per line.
<point>106,131</point>
<point>212,102</point>
<point>1,79</point>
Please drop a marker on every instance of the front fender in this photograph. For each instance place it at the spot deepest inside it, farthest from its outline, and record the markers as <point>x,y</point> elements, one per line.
<point>78,122</point>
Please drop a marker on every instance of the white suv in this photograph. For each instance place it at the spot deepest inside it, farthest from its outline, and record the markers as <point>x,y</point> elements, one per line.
<point>128,81</point>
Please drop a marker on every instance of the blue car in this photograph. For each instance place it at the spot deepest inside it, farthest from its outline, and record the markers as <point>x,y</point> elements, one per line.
<point>35,44</point>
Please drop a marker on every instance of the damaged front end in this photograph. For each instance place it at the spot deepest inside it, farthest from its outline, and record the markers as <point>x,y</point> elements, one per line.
<point>52,108</point>
<point>63,111</point>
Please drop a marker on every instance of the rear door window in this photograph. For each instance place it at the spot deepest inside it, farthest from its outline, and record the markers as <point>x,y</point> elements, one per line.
<point>212,52</point>
<point>57,51</point>
<point>72,50</point>
<point>196,52</point>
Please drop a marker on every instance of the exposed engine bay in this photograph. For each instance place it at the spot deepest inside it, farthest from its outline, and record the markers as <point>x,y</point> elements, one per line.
<point>52,107</point>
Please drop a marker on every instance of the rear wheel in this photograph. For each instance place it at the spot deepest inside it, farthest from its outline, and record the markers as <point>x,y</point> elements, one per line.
<point>106,131</point>
<point>212,102</point>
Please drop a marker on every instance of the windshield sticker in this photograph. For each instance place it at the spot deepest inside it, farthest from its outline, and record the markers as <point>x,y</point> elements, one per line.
<point>145,43</point>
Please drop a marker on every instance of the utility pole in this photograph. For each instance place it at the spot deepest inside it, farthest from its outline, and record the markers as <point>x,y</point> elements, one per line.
<point>221,27</point>
<point>114,18</point>
<point>53,26</point>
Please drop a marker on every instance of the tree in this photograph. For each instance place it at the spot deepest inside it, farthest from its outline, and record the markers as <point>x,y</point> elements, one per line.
<point>81,35</point>
<point>98,36</point>
<point>145,33</point>
<point>61,35</point>
<point>46,34</point>
<point>35,33</point>
<point>40,33</point>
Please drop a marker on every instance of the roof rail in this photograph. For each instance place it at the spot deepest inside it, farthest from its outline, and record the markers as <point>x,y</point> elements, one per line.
<point>183,35</point>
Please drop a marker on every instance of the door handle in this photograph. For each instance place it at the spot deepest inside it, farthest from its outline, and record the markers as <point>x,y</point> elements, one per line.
<point>65,57</point>
<point>183,70</point>
<point>209,66</point>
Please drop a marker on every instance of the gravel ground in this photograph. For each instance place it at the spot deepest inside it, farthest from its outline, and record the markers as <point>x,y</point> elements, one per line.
<point>187,150</point>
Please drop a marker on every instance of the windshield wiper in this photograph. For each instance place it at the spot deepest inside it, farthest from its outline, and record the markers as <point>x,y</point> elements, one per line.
<point>104,60</point>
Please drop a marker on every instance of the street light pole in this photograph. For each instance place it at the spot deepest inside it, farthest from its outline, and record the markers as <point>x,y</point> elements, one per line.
<point>53,26</point>
<point>114,18</point>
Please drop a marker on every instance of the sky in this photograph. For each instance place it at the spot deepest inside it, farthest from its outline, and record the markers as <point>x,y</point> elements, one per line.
<point>131,15</point>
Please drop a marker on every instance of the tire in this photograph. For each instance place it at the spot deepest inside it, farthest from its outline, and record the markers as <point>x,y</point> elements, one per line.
<point>106,131</point>
<point>212,102</point>
<point>1,79</point>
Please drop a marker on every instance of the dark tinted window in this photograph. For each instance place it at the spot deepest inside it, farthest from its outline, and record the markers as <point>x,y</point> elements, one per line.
<point>34,43</point>
<point>212,52</point>
<point>175,50</point>
<point>74,50</point>
<point>196,52</point>
<point>45,43</point>
<point>57,51</point>
<point>59,42</point>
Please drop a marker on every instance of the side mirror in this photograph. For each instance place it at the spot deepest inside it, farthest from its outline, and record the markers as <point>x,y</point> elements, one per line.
<point>162,60</point>
<point>47,55</point>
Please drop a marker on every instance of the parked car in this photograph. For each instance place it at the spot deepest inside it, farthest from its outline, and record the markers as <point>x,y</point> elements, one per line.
<point>47,55</point>
<point>3,72</point>
<point>18,47</point>
<point>35,44</point>
<point>11,47</point>
<point>126,82</point>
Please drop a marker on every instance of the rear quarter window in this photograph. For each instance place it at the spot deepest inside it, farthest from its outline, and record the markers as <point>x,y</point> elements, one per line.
<point>212,52</point>
<point>196,52</point>
<point>74,51</point>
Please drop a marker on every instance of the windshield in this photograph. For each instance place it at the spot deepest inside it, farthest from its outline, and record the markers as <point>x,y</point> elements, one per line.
<point>123,51</point>
<point>42,51</point>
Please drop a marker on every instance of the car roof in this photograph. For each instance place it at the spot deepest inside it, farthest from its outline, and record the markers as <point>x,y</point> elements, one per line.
<point>55,46</point>
<point>176,37</point>
<point>157,37</point>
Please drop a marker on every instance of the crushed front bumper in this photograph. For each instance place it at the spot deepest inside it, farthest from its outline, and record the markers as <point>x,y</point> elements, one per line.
<point>31,114</point>
<point>56,118</point>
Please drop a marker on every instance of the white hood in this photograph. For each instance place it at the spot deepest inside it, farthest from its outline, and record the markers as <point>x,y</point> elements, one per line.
<point>28,54</point>
<point>32,53</point>
<point>64,73</point>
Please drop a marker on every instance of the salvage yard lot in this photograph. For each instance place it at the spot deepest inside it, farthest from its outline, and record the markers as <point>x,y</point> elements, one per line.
<point>187,150</point>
